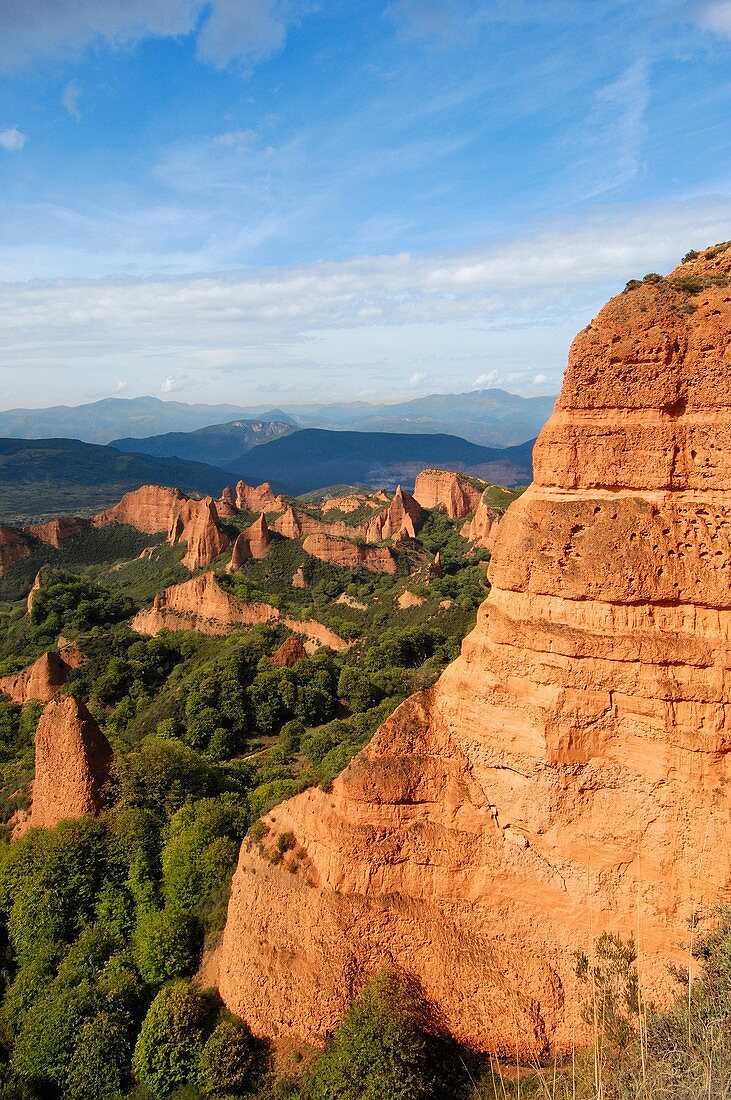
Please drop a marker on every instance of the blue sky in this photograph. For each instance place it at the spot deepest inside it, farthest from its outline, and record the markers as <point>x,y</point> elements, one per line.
<point>275,200</point>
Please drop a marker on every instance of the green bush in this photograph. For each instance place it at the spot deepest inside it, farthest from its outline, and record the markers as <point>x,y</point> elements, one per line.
<point>99,1065</point>
<point>166,943</point>
<point>228,1059</point>
<point>170,1043</point>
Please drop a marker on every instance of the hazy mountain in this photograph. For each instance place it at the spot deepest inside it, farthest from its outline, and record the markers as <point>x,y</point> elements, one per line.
<point>313,457</point>
<point>114,417</point>
<point>215,444</point>
<point>49,477</point>
<point>489,417</point>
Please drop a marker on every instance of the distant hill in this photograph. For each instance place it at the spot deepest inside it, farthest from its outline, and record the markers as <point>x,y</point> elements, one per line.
<point>47,477</point>
<point>313,457</point>
<point>215,444</point>
<point>490,417</point>
<point>115,417</point>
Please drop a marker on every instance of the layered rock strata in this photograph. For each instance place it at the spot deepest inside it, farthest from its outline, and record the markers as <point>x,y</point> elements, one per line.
<point>73,758</point>
<point>570,773</point>
<point>58,531</point>
<point>151,509</point>
<point>453,492</point>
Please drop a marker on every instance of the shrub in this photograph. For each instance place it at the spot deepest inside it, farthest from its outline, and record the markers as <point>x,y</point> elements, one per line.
<point>228,1059</point>
<point>100,1061</point>
<point>169,1047</point>
<point>166,943</point>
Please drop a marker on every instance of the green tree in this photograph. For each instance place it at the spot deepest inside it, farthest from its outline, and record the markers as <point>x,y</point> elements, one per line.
<point>169,1047</point>
<point>166,943</point>
<point>228,1059</point>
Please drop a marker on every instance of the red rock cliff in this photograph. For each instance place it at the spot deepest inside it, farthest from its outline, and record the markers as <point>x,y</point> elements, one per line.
<point>151,509</point>
<point>58,531</point>
<point>13,547</point>
<point>451,491</point>
<point>39,682</point>
<point>570,772</point>
<point>73,758</point>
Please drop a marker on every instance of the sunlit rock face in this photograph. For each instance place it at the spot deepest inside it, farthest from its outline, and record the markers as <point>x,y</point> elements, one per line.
<point>569,773</point>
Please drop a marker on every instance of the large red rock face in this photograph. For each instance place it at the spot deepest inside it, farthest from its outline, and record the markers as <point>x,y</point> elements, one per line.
<point>39,682</point>
<point>350,555</point>
<point>570,773</point>
<point>13,547</point>
<point>58,531</point>
<point>451,491</point>
<point>73,758</point>
<point>150,509</point>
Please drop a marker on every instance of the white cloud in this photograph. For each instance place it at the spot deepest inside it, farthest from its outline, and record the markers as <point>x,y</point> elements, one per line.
<point>540,380</point>
<point>12,139</point>
<point>493,315</point>
<point>716,16</point>
<point>171,385</point>
<point>70,99</point>
<point>486,380</point>
<point>417,378</point>
<point>242,31</point>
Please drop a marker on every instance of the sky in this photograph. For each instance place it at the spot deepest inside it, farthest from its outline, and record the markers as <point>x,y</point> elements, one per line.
<point>270,201</point>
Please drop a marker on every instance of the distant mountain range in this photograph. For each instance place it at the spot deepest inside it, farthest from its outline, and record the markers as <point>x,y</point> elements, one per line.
<point>312,458</point>
<point>49,477</point>
<point>215,445</point>
<point>490,417</point>
<point>101,421</point>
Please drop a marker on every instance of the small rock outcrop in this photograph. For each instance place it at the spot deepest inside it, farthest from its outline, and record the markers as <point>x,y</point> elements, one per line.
<point>73,758</point>
<point>200,604</point>
<point>258,498</point>
<point>409,599</point>
<point>13,547</point>
<point>299,580</point>
<point>151,509</point>
<point>289,653</point>
<point>253,543</point>
<point>481,529</point>
<point>351,555</point>
<point>39,682</point>
<point>453,492</point>
<point>399,520</point>
<point>35,589</point>
<point>58,531</point>
<point>569,773</point>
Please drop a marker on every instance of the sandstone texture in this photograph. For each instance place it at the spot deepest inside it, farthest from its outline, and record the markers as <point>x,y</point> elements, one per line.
<point>258,498</point>
<point>57,531</point>
<point>299,580</point>
<point>399,520</point>
<point>570,773</point>
<point>151,509</point>
<point>289,653</point>
<point>39,682</point>
<point>453,492</point>
<point>205,541</point>
<point>409,599</point>
<point>73,758</point>
<point>200,604</point>
<point>254,543</point>
<point>481,529</point>
<point>351,555</point>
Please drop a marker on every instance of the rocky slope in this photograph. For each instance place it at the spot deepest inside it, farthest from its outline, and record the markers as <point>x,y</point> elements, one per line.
<point>569,773</point>
<point>73,758</point>
<point>351,555</point>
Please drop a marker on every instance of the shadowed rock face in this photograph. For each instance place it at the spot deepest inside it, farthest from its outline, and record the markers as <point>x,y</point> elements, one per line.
<point>13,547</point>
<point>399,520</point>
<point>289,653</point>
<point>39,682</point>
<point>570,772</point>
<point>73,758</point>
<point>482,528</point>
<point>57,531</point>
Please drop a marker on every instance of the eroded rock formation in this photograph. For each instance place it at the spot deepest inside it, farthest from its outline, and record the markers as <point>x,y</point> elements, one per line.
<point>39,682</point>
<point>13,547</point>
<point>151,509</point>
<point>57,531</point>
<point>481,529</point>
<point>200,604</point>
<point>258,498</point>
<point>454,492</point>
<point>399,520</point>
<point>351,555</point>
<point>73,758</point>
<point>254,543</point>
<point>289,653</point>
<point>200,530</point>
<point>570,772</point>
